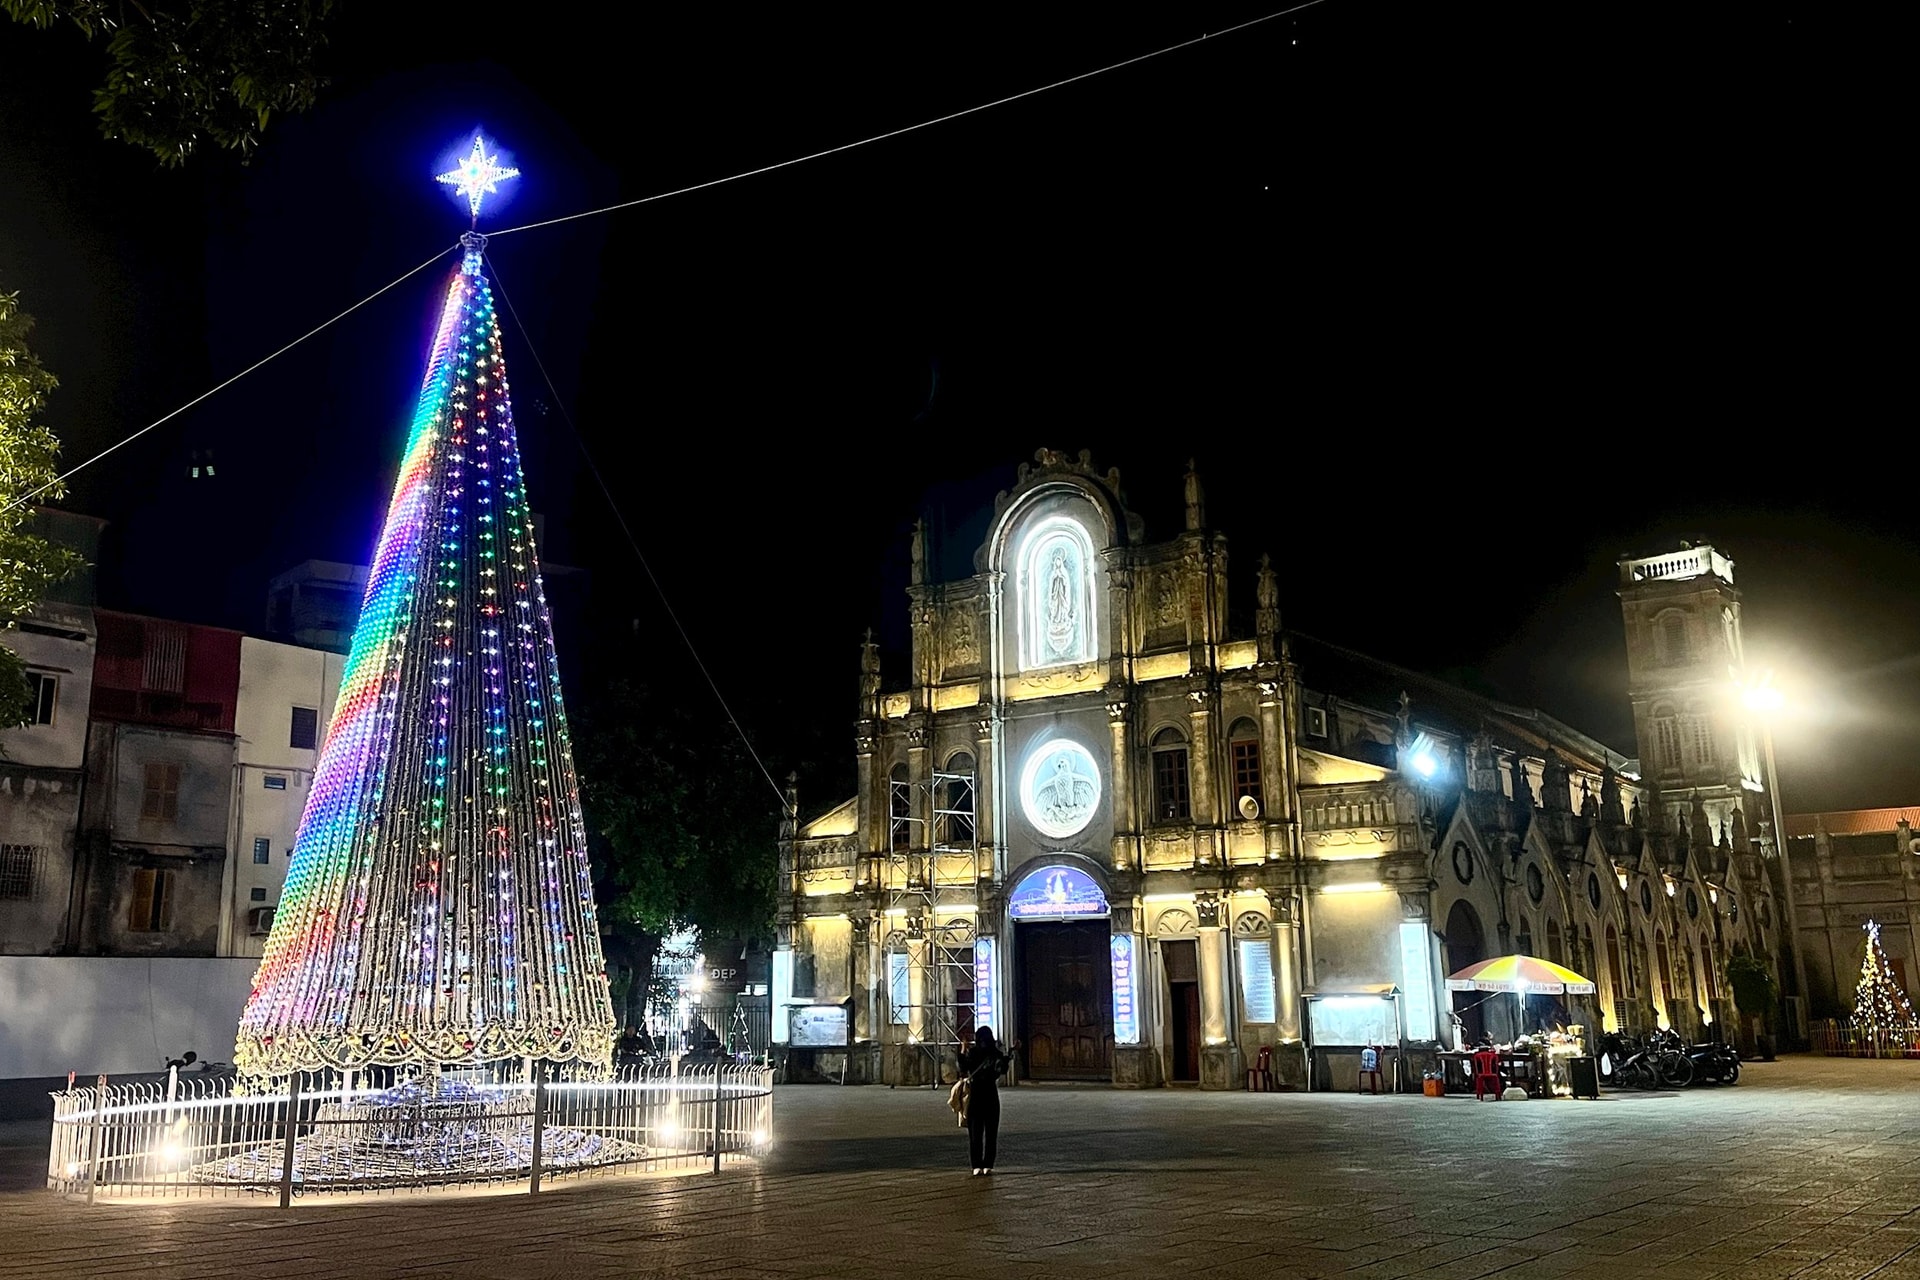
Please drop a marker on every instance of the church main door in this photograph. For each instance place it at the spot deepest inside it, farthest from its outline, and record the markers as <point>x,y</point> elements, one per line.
<point>1066,1000</point>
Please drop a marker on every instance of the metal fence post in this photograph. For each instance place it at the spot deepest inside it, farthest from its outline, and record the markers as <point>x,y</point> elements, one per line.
<point>93,1137</point>
<point>286,1149</point>
<point>539,1119</point>
<point>717,1069</point>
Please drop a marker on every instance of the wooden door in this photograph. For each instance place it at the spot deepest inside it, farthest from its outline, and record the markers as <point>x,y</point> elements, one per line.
<point>1066,1023</point>
<point>1182,962</point>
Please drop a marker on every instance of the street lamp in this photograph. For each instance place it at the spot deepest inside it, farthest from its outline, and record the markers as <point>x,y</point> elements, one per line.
<point>1765,701</point>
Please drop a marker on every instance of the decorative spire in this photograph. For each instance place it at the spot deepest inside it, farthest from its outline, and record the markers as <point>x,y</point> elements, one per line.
<point>1589,807</point>
<point>1610,797</point>
<point>918,571</point>
<point>1701,826</point>
<point>869,668</point>
<point>1266,622</point>
<point>1196,499</point>
<point>1737,839</point>
<point>1522,788</point>
<point>1556,786</point>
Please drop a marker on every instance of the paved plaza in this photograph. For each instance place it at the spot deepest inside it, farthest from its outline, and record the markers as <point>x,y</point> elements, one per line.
<point>1809,1168</point>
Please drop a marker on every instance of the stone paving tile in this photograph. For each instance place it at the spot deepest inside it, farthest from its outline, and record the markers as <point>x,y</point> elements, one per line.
<point>1809,1169</point>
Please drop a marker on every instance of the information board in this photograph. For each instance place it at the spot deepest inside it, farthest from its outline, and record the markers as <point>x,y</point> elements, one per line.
<point>819,1026</point>
<point>1256,978</point>
<point>1353,1020</point>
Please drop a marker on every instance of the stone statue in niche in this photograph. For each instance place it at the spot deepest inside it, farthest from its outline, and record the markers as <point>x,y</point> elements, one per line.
<point>1062,616</point>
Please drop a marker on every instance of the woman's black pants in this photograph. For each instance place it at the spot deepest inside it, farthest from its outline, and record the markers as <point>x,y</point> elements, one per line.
<point>983,1127</point>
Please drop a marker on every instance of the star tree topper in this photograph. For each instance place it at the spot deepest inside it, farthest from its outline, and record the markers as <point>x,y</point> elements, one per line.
<point>479,174</point>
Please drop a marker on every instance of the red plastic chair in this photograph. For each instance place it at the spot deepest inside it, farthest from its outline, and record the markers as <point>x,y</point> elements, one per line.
<point>1486,1074</point>
<point>1370,1062</point>
<point>1260,1074</point>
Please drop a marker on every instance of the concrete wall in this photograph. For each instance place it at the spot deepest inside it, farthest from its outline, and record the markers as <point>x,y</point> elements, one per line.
<point>91,1014</point>
<point>55,640</point>
<point>39,809</point>
<point>118,842</point>
<point>274,679</point>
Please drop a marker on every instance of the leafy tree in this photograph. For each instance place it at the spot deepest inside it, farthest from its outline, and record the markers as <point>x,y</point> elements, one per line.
<point>682,828</point>
<point>29,455</point>
<point>1754,988</point>
<point>181,72</point>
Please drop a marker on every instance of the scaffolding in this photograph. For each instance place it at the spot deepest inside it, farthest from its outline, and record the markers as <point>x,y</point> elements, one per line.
<point>932,914</point>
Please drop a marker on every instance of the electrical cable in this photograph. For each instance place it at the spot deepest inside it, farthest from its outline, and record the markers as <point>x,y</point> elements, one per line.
<point>629,204</point>
<point>62,479</point>
<point>632,542</point>
<point>912,128</point>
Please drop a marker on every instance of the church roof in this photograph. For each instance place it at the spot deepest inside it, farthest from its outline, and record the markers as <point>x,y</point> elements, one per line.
<point>1373,682</point>
<point>1851,822</point>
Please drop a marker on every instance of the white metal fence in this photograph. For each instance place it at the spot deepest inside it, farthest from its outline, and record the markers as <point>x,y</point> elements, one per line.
<point>325,1134</point>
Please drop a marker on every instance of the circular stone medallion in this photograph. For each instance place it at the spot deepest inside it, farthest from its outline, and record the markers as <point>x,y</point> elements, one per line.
<point>1060,788</point>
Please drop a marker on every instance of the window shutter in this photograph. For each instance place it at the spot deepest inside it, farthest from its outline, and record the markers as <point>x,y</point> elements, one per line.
<point>140,910</point>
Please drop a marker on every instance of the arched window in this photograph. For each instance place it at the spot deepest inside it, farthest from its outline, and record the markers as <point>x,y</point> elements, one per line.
<point>1666,738</point>
<point>1674,644</point>
<point>1523,938</point>
<point>1555,952</point>
<point>1170,802</point>
<point>899,809</point>
<point>1663,966</point>
<point>1706,968</point>
<point>1056,593</point>
<point>1616,974</point>
<point>1243,747</point>
<point>1699,739</point>
<point>956,802</point>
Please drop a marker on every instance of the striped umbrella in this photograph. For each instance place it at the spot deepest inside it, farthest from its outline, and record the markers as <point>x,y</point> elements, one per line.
<point>1527,975</point>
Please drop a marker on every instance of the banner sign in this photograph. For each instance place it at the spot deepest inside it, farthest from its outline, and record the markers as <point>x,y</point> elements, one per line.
<point>983,982</point>
<point>1126,1024</point>
<point>1056,893</point>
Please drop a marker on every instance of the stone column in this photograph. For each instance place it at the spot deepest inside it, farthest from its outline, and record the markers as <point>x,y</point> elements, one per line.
<point>1290,1051</point>
<point>1201,772</point>
<point>1126,836</point>
<point>1220,1066</point>
<point>984,798</point>
<point>1137,1065</point>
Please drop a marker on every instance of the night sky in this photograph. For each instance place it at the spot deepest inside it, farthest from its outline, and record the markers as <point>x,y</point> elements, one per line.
<point>1452,308</point>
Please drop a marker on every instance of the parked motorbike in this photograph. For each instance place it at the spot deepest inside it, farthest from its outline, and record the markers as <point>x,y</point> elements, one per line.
<point>1662,1064</point>
<point>1715,1063</point>
<point>1614,1048</point>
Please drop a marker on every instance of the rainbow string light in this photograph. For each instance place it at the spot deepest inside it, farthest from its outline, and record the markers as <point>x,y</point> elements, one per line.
<point>439,906</point>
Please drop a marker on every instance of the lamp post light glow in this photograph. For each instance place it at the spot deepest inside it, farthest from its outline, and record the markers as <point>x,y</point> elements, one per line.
<point>1764,701</point>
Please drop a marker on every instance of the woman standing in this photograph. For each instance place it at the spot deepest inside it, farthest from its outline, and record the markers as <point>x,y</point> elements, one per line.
<point>980,1066</point>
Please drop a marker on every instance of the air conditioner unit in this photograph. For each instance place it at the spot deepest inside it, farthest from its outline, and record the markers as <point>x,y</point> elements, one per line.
<point>260,921</point>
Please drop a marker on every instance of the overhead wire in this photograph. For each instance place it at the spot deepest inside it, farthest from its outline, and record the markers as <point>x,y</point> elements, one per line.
<point>911,128</point>
<point>68,475</point>
<point>632,542</point>
<point>629,204</point>
<point>658,196</point>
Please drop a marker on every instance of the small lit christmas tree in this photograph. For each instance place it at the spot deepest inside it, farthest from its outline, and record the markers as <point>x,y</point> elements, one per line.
<point>1878,1001</point>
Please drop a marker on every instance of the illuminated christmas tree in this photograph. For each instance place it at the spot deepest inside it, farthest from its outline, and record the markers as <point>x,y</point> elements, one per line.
<point>439,908</point>
<point>1878,1001</point>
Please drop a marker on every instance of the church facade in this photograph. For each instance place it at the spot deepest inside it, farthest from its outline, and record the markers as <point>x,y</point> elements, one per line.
<point>1150,849</point>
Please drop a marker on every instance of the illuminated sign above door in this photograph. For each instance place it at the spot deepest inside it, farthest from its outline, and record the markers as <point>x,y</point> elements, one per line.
<point>1056,893</point>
